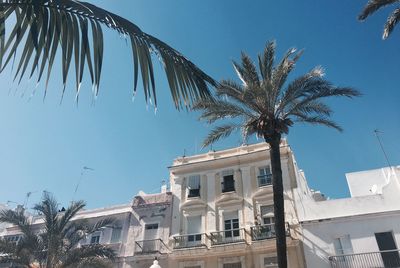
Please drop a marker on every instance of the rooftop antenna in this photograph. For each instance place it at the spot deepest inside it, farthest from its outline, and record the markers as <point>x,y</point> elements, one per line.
<point>377,133</point>
<point>83,172</point>
<point>27,196</point>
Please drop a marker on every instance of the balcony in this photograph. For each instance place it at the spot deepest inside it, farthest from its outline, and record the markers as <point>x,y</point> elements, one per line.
<point>154,246</point>
<point>387,258</point>
<point>190,241</point>
<point>264,180</point>
<point>228,236</point>
<point>265,231</point>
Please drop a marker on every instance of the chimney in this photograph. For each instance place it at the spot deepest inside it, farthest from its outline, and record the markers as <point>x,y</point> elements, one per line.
<point>163,186</point>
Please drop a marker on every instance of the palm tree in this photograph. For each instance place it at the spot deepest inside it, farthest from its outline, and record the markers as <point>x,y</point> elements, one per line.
<point>40,27</point>
<point>266,105</point>
<point>54,243</point>
<point>374,5</point>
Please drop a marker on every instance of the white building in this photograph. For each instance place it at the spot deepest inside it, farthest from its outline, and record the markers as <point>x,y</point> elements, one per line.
<point>223,209</point>
<point>138,234</point>
<point>360,231</point>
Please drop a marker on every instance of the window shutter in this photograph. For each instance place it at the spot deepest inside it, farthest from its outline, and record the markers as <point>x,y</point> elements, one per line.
<point>194,182</point>
<point>267,211</point>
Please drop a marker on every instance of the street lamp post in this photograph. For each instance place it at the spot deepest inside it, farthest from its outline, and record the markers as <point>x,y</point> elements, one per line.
<point>155,264</point>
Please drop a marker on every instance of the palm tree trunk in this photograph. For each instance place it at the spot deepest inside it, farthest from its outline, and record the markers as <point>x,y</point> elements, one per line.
<point>279,206</point>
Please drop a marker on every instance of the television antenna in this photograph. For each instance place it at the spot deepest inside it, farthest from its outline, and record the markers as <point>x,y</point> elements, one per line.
<point>84,170</point>
<point>377,133</point>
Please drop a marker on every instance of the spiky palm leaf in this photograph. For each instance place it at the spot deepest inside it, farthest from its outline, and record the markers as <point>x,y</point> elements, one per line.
<point>270,105</point>
<point>374,5</point>
<point>266,105</point>
<point>55,245</point>
<point>43,27</point>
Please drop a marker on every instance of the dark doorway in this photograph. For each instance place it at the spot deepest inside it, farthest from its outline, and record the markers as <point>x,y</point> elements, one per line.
<point>386,243</point>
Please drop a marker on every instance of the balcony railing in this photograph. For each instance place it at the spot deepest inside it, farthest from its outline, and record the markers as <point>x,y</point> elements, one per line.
<point>264,180</point>
<point>228,236</point>
<point>190,241</point>
<point>150,247</point>
<point>387,258</point>
<point>265,231</point>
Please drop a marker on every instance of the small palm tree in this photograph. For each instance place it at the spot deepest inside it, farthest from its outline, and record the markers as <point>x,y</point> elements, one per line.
<point>54,243</point>
<point>374,5</point>
<point>43,27</point>
<point>266,105</point>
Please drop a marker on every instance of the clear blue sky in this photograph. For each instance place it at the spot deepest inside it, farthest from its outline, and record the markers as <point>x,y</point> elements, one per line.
<point>43,146</point>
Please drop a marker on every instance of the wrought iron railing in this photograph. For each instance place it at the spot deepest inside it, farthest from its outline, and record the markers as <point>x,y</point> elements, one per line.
<point>150,247</point>
<point>190,241</point>
<point>228,236</point>
<point>379,259</point>
<point>265,231</point>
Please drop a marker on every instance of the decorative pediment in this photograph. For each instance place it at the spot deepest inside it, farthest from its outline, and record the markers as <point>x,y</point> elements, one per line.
<point>193,202</point>
<point>228,199</point>
<point>263,192</point>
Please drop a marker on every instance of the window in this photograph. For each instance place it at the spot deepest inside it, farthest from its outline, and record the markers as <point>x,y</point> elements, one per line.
<point>194,186</point>
<point>264,176</point>
<point>194,228</point>
<point>95,239</point>
<point>233,265</point>
<point>387,246</point>
<point>116,235</point>
<point>267,214</point>
<point>271,262</point>
<point>153,226</point>
<point>343,245</point>
<point>228,182</point>
<point>13,238</point>
<point>231,224</point>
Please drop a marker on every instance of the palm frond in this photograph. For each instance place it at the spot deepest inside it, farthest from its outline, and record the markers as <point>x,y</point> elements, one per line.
<point>69,213</point>
<point>219,132</point>
<point>18,219</point>
<point>88,255</point>
<point>266,61</point>
<point>310,107</point>
<point>391,22</point>
<point>374,5</point>
<point>43,27</point>
<point>100,224</point>
<point>282,71</point>
<point>318,120</point>
<point>219,109</point>
<point>48,207</point>
<point>249,71</point>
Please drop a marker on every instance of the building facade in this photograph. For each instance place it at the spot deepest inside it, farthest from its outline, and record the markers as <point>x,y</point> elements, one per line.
<point>360,231</point>
<point>222,213</point>
<point>218,213</point>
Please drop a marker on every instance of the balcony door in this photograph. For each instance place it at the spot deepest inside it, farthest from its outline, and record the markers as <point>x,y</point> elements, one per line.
<point>194,230</point>
<point>386,242</point>
<point>149,237</point>
<point>231,225</point>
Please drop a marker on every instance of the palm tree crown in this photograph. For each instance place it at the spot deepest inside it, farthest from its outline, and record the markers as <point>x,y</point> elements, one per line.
<point>374,5</point>
<point>43,26</point>
<point>55,243</point>
<point>265,103</point>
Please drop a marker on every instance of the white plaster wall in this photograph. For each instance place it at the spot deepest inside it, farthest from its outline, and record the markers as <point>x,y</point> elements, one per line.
<point>318,237</point>
<point>368,182</point>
